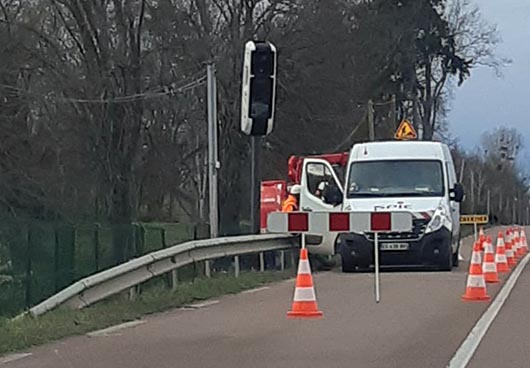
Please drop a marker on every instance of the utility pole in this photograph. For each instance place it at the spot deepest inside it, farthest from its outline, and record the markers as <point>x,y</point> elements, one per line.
<point>371,123</point>
<point>213,159</point>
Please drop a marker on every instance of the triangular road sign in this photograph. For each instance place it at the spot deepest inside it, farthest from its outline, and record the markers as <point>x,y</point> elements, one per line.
<point>405,131</point>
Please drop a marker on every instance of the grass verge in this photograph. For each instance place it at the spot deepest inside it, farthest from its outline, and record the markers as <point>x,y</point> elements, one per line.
<point>26,332</point>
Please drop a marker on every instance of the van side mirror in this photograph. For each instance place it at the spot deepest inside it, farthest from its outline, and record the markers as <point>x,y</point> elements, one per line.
<point>457,193</point>
<point>332,195</point>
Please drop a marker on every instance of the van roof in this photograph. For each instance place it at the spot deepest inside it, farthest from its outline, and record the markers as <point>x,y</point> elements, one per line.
<point>404,150</point>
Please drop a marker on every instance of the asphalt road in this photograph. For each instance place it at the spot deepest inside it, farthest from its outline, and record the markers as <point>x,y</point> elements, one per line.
<point>507,341</point>
<point>420,322</point>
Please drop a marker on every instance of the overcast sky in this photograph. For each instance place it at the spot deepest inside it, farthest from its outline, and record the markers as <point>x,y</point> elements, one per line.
<point>486,101</point>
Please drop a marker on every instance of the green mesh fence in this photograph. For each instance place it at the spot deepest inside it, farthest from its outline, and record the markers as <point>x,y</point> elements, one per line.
<point>38,259</point>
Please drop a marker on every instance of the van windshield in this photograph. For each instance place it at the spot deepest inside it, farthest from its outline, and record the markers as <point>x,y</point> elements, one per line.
<point>396,178</point>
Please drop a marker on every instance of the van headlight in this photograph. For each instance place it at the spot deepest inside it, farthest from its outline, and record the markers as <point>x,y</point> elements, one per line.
<point>440,218</point>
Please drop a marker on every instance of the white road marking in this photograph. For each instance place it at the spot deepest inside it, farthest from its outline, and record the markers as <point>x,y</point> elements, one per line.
<point>199,305</point>
<point>14,357</point>
<point>111,331</point>
<point>466,351</point>
<point>252,291</point>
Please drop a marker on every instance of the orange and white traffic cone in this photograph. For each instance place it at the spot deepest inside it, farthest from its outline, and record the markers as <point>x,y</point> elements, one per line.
<point>519,251</point>
<point>476,284</point>
<point>489,267</point>
<point>515,245</point>
<point>482,240</point>
<point>481,232</point>
<point>500,255</point>
<point>524,243</point>
<point>477,246</point>
<point>305,301</point>
<point>510,256</point>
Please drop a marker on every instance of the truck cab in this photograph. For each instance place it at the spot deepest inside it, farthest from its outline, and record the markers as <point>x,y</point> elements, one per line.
<point>389,176</point>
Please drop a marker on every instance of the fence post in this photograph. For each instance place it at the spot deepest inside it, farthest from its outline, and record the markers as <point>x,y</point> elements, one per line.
<point>236,266</point>
<point>174,279</point>
<point>28,267</point>
<point>132,293</point>
<point>207,271</point>
<point>261,262</point>
<point>95,235</point>
<point>163,237</point>
<point>56,258</point>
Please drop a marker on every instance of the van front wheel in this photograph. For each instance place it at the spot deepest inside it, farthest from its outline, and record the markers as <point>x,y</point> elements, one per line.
<point>446,262</point>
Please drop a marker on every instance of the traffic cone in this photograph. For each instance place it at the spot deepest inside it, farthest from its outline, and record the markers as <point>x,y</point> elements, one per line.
<point>489,267</point>
<point>524,242</point>
<point>515,245</point>
<point>476,284</point>
<point>482,241</point>
<point>520,251</point>
<point>500,255</point>
<point>304,302</point>
<point>509,249</point>
<point>477,246</point>
<point>481,232</point>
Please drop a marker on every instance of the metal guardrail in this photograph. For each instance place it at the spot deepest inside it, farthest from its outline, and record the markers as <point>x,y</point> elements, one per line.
<point>92,289</point>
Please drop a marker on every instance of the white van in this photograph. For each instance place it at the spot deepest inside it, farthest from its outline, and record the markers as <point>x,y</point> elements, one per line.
<point>390,176</point>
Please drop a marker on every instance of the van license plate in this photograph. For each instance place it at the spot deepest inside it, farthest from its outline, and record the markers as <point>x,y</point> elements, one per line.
<point>394,246</point>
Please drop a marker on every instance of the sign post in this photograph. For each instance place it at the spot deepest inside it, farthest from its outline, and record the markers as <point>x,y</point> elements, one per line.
<point>376,265</point>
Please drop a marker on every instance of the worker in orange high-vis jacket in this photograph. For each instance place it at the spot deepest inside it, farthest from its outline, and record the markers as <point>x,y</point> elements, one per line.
<point>292,201</point>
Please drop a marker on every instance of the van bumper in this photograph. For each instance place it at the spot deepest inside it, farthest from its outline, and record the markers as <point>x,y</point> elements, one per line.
<point>428,251</point>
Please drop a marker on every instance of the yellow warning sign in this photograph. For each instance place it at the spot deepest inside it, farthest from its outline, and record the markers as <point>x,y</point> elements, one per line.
<point>474,219</point>
<point>405,131</point>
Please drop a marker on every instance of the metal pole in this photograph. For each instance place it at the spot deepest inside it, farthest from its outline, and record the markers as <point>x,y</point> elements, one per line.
<point>371,126</point>
<point>376,265</point>
<point>303,241</point>
<point>212,151</point>
<point>236,266</point>
<point>261,262</point>
<point>475,232</point>
<point>207,269</point>
<point>488,201</point>
<point>513,211</point>
<point>255,184</point>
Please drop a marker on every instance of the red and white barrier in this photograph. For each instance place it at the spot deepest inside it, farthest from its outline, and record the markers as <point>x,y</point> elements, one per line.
<point>340,222</point>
